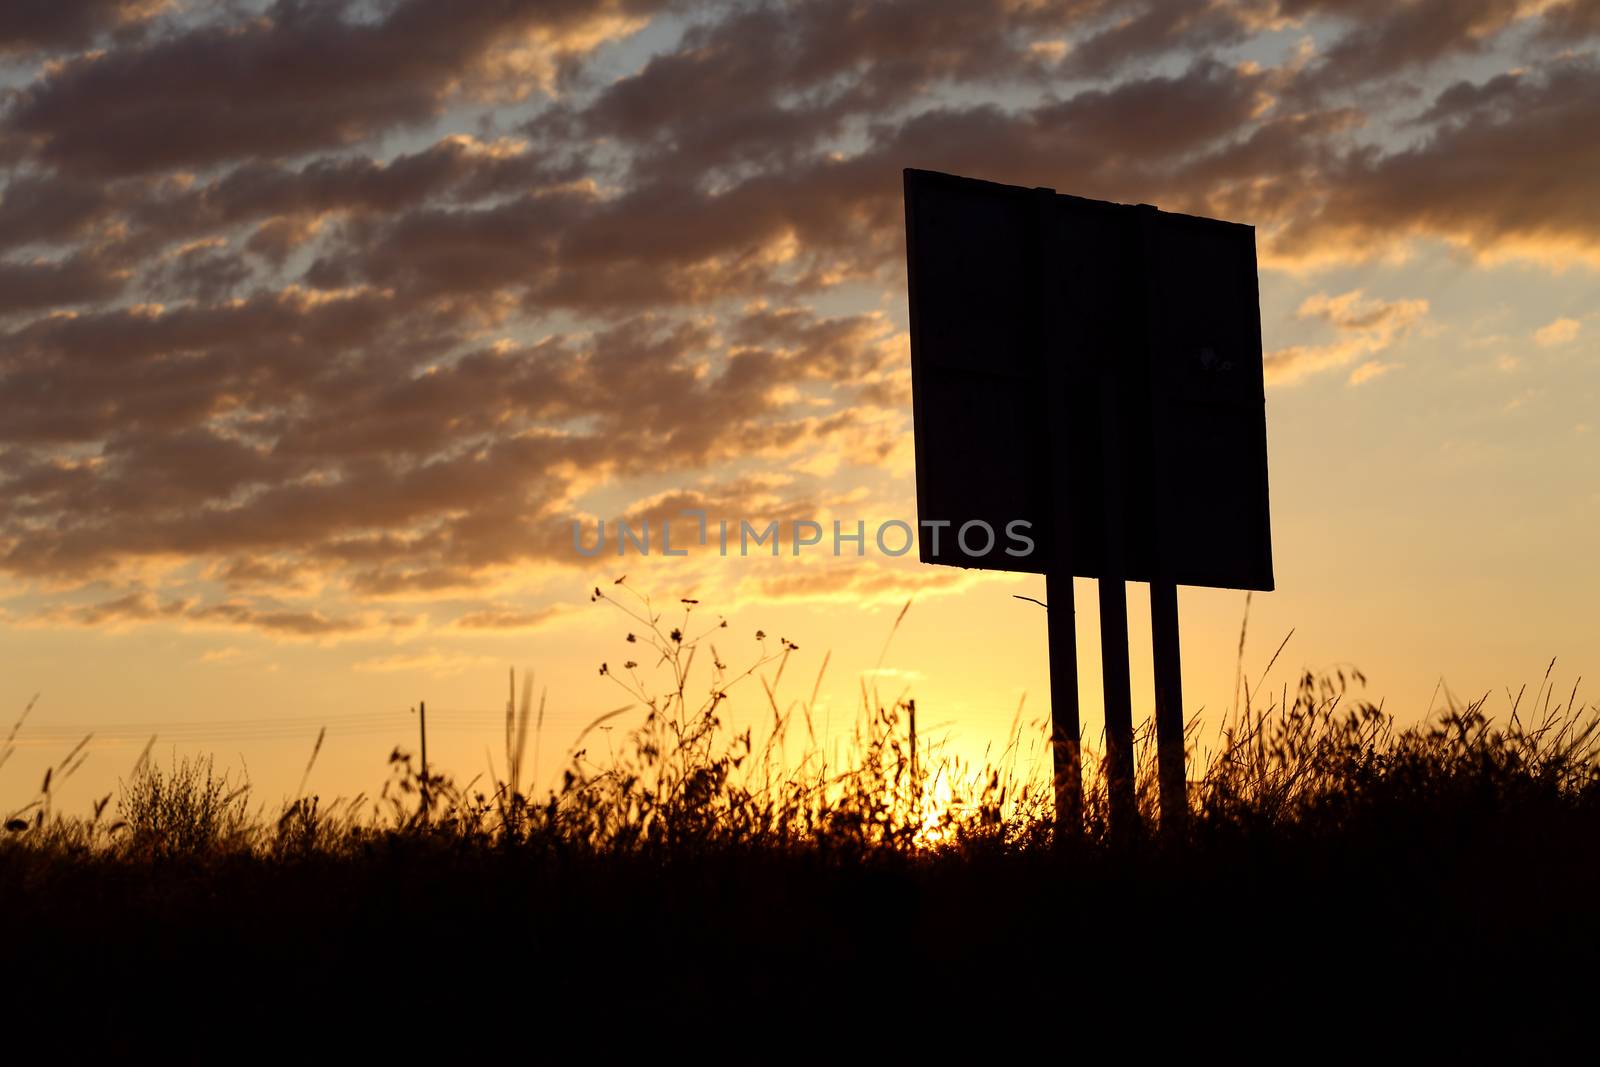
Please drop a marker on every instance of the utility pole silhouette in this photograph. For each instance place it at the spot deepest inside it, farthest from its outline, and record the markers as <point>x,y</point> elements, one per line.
<point>422,777</point>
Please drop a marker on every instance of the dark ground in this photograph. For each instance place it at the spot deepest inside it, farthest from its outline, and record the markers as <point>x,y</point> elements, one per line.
<point>1490,930</point>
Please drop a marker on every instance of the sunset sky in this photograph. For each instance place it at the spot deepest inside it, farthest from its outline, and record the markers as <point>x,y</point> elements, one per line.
<point>321,322</point>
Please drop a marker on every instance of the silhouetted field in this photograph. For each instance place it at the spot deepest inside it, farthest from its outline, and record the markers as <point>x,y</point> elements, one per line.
<point>1335,872</point>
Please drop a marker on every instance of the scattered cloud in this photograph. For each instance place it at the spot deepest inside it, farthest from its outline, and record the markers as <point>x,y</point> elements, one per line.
<point>1365,326</point>
<point>501,617</point>
<point>212,91</point>
<point>1496,171</point>
<point>1561,331</point>
<point>349,305</point>
<point>1523,399</point>
<point>900,673</point>
<point>432,662</point>
<point>862,583</point>
<point>1369,370</point>
<point>49,25</point>
<point>141,606</point>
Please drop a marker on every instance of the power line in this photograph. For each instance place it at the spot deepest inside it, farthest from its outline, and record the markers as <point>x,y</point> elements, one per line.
<point>259,729</point>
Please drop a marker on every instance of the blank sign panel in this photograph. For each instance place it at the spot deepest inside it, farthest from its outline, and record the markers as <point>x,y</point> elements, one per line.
<point>1095,370</point>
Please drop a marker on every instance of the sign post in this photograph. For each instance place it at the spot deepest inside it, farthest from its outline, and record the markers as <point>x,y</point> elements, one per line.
<point>1173,779</point>
<point>1114,673</point>
<point>1065,751</point>
<point>1061,613</point>
<point>1093,371</point>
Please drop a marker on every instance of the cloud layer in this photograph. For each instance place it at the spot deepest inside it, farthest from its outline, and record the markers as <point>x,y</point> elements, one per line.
<point>322,305</point>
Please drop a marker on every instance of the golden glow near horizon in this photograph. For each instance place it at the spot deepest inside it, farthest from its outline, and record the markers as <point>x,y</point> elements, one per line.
<point>307,372</point>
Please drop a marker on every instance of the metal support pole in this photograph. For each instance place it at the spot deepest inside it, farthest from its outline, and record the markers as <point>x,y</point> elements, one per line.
<point>1119,705</point>
<point>1170,739</point>
<point>1064,727</point>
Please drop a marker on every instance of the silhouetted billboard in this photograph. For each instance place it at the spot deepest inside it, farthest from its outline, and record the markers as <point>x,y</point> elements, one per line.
<point>1094,370</point>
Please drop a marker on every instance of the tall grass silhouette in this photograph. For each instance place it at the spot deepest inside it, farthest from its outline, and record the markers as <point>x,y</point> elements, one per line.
<point>1312,759</point>
<point>683,868</point>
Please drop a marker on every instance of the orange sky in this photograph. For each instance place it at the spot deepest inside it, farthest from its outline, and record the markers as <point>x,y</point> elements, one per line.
<point>321,323</point>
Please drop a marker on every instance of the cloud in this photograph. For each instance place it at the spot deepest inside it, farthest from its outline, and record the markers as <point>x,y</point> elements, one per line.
<point>145,606</point>
<point>861,583</point>
<point>298,78</point>
<point>1143,31</point>
<point>74,280</point>
<point>319,307</point>
<point>318,430</point>
<point>1498,172</point>
<point>1567,22</point>
<point>764,85</point>
<point>434,662</point>
<point>51,25</point>
<point>1369,370</point>
<point>1557,332</point>
<point>502,617</point>
<point>1365,326</point>
<point>1381,39</point>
